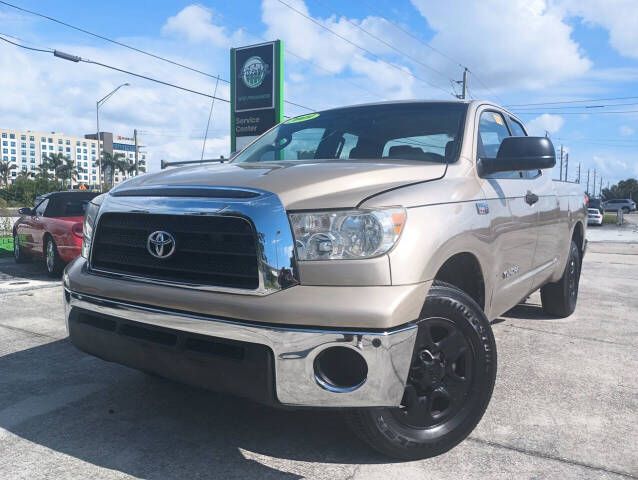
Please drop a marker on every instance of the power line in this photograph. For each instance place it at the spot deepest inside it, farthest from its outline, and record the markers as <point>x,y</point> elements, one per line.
<point>572,101</point>
<point>130,47</point>
<point>305,60</point>
<point>407,32</point>
<point>397,67</point>
<point>576,113</point>
<point>107,39</point>
<point>22,46</point>
<point>427,45</point>
<point>485,86</point>
<point>388,44</point>
<point>578,106</point>
<point>77,59</point>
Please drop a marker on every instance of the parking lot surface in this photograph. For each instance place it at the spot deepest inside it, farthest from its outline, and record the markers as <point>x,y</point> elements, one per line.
<point>565,403</point>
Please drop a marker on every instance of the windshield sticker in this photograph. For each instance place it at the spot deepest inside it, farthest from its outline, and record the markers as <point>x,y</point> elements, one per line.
<point>497,118</point>
<point>303,118</point>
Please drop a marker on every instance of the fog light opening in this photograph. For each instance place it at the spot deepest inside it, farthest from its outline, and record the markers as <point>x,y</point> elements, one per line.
<point>340,369</point>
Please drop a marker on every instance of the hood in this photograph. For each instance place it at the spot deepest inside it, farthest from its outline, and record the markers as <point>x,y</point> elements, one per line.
<point>301,185</point>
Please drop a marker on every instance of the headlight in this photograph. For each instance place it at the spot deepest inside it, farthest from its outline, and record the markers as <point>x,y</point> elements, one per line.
<point>352,234</point>
<point>90,215</point>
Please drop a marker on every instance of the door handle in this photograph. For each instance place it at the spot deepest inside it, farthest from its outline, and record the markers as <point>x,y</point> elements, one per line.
<point>531,198</point>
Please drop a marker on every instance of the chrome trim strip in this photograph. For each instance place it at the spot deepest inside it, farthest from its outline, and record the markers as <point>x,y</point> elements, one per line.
<point>277,268</point>
<point>387,354</point>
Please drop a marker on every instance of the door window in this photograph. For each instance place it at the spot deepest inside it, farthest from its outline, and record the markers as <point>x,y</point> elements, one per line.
<point>492,130</point>
<point>517,128</point>
<point>41,208</point>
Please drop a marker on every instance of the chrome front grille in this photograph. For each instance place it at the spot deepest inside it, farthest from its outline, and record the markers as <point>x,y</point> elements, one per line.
<point>211,250</point>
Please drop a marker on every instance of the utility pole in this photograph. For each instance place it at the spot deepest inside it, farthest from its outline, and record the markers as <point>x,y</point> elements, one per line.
<point>600,190</point>
<point>567,167</point>
<point>594,185</point>
<point>561,163</point>
<point>587,190</point>
<point>578,180</point>
<point>137,165</point>
<point>464,83</point>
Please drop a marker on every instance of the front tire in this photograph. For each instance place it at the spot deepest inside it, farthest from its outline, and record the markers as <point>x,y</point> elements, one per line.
<point>449,386</point>
<point>559,299</point>
<point>53,262</point>
<point>18,255</point>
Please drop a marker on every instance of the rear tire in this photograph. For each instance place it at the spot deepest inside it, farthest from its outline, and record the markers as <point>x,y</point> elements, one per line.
<point>53,262</point>
<point>559,299</point>
<point>449,386</point>
<point>18,255</point>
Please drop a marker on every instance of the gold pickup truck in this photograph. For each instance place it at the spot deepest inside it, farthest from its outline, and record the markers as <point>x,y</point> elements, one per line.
<point>351,258</point>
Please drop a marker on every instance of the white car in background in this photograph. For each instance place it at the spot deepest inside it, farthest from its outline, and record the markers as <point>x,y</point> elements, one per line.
<point>594,217</point>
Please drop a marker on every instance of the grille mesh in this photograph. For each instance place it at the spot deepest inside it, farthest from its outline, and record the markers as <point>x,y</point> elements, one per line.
<point>209,250</point>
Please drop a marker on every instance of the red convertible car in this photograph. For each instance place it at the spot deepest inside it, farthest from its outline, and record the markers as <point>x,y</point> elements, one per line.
<point>52,229</point>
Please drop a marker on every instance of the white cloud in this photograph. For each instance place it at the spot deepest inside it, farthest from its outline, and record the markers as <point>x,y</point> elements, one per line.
<point>195,24</point>
<point>545,123</point>
<point>510,44</point>
<point>619,17</point>
<point>626,131</point>
<point>333,55</point>
<point>49,94</point>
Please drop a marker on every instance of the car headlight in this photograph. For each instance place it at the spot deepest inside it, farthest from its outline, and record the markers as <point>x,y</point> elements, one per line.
<point>350,234</point>
<point>90,215</point>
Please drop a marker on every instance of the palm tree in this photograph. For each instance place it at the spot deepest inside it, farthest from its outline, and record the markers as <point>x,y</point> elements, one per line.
<point>25,174</point>
<point>110,163</point>
<point>43,169</point>
<point>130,167</point>
<point>5,168</point>
<point>55,161</point>
<point>67,172</point>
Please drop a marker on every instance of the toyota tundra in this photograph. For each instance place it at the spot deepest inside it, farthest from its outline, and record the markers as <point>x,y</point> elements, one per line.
<point>351,258</point>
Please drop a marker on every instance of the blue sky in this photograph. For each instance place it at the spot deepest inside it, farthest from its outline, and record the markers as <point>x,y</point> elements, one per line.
<point>524,51</point>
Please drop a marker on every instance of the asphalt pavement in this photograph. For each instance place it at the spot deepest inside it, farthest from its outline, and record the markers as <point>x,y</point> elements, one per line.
<point>565,404</point>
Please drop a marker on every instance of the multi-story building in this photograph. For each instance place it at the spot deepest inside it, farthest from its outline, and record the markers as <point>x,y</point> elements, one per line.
<point>25,150</point>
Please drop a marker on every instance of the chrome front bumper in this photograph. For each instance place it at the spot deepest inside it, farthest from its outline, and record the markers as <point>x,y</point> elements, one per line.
<point>387,353</point>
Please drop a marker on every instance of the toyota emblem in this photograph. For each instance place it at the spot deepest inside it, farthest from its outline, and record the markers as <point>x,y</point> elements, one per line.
<point>160,244</point>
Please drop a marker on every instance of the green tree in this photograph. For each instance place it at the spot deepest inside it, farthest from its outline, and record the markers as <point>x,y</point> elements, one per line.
<point>43,170</point>
<point>130,169</point>
<point>5,170</point>
<point>25,174</point>
<point>67,172</point>
<point>55,161</point>
<point>623,189</point>
<point>109,163</point>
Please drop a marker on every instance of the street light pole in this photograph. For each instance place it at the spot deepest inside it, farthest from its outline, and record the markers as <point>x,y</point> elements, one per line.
<point>98,104</point>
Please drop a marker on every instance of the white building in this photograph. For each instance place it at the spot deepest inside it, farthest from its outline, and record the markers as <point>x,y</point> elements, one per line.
<point>25,149</point>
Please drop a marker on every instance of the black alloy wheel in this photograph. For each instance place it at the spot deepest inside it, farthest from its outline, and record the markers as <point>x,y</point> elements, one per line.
<point>449,385</point>
<point>560,298</point>
<point>440,375</point>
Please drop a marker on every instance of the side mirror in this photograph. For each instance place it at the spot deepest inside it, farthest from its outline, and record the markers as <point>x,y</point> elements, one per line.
<point>25,211</point>
<point>520,153</point>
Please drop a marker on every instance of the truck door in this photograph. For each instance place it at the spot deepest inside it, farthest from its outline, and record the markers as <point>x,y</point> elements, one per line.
<point>513,219</point>
<point>549,222</point>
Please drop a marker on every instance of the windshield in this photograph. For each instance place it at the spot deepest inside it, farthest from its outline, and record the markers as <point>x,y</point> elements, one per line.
<point>402,131</point>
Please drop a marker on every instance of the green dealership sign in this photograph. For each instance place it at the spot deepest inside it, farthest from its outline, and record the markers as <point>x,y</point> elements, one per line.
<point>256,91</point>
